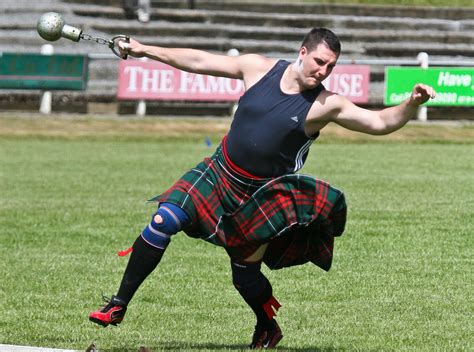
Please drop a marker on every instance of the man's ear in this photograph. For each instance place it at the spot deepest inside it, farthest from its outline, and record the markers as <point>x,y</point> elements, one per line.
<point>302,53</point>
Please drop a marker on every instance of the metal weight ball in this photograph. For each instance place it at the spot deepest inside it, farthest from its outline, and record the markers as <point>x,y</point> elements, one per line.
<point>51,26</point>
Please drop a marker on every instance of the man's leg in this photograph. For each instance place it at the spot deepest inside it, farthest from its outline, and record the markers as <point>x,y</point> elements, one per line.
<point>147,252</point>
<point>257,292</point>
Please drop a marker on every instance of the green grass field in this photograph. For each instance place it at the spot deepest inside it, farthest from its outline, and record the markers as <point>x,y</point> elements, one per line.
<point>401,280</point>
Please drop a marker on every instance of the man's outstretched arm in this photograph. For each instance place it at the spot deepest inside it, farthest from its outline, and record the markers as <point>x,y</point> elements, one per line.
<point>199,61</point>
<point>338,109</point>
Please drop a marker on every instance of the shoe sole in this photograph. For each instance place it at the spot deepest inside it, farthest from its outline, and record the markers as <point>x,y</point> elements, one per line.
<point>277,340</point>
<point>100,322</point>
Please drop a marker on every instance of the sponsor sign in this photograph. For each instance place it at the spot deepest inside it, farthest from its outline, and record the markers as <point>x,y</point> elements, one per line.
<point>152,80</point>
<point>453,86</point>
<point>352,81</point>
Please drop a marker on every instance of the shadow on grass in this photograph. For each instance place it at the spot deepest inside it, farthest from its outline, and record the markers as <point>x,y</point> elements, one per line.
<point>179,346</point>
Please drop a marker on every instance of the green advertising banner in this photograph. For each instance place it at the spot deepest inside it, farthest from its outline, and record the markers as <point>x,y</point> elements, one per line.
<point>453,86</point>
<point>36,71</point>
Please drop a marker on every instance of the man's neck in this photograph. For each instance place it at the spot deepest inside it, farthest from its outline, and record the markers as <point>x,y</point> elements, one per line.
<point>290,82</point>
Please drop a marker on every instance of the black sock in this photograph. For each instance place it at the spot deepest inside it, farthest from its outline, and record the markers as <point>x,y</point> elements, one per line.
<point>143,260</point>
<point>254,288</point>
<point>257,303</point>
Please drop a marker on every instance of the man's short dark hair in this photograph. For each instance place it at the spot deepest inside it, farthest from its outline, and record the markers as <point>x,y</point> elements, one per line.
<point>321,35</point>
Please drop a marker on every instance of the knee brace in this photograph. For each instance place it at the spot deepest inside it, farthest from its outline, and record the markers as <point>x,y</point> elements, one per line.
<point>167,221</point>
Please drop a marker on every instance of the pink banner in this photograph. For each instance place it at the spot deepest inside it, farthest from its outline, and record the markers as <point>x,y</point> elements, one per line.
<point>352,81</point>
<point>153,80</point>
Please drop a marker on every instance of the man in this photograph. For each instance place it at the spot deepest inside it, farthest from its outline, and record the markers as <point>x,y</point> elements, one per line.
<point>248,197</point>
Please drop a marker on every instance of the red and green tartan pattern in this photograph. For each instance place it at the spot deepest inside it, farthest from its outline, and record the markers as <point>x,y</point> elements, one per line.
<point>297,214</point>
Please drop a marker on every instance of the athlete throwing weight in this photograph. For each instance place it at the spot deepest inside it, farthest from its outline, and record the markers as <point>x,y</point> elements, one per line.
<point>247,197</point>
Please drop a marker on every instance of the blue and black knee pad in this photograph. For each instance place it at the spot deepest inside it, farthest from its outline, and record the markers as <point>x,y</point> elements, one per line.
<point>173,220</point>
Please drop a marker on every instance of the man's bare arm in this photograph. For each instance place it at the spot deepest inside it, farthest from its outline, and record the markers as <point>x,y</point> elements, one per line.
<point>202,62</point>
<point>338,109</point>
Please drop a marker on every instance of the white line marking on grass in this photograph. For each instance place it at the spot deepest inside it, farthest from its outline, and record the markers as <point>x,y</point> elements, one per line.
<point>15,348</point>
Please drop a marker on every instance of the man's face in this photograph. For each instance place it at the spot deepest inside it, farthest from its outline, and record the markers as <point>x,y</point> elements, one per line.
<point>316,65</point>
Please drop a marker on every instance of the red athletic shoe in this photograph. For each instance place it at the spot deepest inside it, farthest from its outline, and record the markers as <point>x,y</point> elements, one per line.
<point>266,337</point>
<point>112,313</point>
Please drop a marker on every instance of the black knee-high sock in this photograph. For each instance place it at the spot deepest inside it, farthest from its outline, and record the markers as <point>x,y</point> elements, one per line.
<point>256,303</point>
<point>143,260</point>
<point>254,288</point>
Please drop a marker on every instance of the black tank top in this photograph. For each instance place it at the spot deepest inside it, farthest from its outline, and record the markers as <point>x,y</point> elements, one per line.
<point>267,137</point>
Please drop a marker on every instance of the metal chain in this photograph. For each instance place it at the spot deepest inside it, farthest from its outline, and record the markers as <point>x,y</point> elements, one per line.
<point>94,39</point>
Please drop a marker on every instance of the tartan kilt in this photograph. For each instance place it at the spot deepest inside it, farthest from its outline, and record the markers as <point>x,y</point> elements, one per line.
<point>296,214</point>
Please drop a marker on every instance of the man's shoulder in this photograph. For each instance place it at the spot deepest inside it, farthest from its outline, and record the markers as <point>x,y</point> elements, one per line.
<point>326,106</point>
<point>326,97</point>
<point>256,66</point>
<point>258,62</point>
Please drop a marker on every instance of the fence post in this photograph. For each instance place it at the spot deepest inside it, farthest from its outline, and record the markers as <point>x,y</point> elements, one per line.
<point>423,59</point>
<point>46,96</point>
<point>140,109</point>
<point>233,52</point>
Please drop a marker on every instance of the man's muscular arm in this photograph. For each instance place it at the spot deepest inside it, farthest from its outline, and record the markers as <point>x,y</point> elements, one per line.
<point>338,109</point>
<point>248,67</point>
